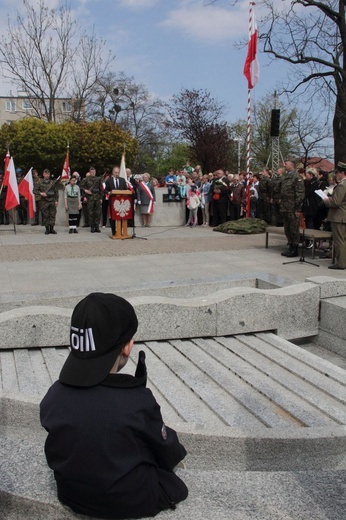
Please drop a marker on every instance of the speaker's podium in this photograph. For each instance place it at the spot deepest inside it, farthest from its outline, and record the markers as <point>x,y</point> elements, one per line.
<point>120,211</point>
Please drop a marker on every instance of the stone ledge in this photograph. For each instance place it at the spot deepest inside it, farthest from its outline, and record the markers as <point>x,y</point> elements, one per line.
<point>292,311</point>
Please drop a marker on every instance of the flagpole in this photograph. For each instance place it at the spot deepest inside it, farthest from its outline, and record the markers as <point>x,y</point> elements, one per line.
<point>248,131</point>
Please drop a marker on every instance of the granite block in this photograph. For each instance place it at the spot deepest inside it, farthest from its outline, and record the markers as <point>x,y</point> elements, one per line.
<point>332,319</point>
<point>291,311</point>
<point>329,286</point>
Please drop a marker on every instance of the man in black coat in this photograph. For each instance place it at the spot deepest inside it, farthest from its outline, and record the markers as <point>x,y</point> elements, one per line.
<point>115,182</point>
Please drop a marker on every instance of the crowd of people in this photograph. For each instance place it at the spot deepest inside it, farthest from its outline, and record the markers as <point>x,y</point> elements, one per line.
<point>287,197</point>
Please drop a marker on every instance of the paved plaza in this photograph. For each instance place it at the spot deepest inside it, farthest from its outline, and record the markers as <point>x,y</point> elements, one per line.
<point>40,268</point>
<point>33,263</point>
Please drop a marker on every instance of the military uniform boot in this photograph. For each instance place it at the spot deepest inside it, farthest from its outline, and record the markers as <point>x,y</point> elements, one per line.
<point>97,229</point>
<point>47,230</point>
<point>288,250</point>
<point>294,252</point>
<point>52,230</point>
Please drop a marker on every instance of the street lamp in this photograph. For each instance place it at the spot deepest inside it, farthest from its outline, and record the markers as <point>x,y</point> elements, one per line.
<point>238,140</point>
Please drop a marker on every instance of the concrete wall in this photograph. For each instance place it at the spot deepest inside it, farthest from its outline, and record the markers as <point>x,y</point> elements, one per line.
<point>165,214</point>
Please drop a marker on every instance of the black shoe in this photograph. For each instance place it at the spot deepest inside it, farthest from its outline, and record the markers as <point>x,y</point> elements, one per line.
<point>326,255</point>
<point>70,231</point>
<point>35,224</point>
<point>47,230</point>
<point>335,266</point>
<point>97,229</point>
<point>293,253</point>
<point>52,230</point>
<point>92,230</point>
<point>285,253</point>
<point>75,231</point>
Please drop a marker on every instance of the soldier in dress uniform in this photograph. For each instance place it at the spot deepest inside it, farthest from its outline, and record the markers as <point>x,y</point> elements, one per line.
<point>48,191</point>
<point>291,199</point>
<point>93,190</point>
<point>336,205</point>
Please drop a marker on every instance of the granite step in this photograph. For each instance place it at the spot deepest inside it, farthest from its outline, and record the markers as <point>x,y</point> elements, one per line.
<point>250,382</point>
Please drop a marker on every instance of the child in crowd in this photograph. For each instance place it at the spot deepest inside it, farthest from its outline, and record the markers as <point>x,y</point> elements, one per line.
<point>193,202</point>
<point>112,455</point>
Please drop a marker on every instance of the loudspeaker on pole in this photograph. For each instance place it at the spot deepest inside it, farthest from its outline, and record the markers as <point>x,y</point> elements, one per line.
<point>275,123</point>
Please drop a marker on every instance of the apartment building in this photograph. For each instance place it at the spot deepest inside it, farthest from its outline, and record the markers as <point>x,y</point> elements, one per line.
<point>14,108</point>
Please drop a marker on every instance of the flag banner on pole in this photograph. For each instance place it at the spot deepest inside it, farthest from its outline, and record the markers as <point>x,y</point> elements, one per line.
<point>122,172</point>
<point>6,162</point>
<point>251,67</point>
<point>10,180</point>
<point>65,175</point>
<point>26,189</point>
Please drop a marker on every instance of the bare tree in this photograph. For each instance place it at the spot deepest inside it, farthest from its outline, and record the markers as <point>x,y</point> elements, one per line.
<point>44,54</point>
<point>311,36</point>
<point>312,136</point>
<point>121,100</point>
<point>196,116</point>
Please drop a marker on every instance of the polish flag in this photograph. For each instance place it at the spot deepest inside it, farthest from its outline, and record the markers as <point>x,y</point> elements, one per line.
<point>122,172</point>
<point>251,67</point>
<point>10,180</point>
<point>26,189</point>
<point>65,175</point>
<point>6,162</point>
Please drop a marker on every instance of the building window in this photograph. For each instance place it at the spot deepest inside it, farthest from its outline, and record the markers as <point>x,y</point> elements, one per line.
<point>27,105</point>
<point>66,107</point>
<point>10,106</point>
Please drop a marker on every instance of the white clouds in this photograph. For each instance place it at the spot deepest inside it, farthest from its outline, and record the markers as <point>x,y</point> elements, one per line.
<point>211,24</point>
<point>138,4</point>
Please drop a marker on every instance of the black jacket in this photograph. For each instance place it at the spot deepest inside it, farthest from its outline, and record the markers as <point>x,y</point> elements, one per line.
<point>109,184</point>
<point>111,453</point>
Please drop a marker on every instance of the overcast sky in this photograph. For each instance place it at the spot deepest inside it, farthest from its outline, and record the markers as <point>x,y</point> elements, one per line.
<point>173,44</point>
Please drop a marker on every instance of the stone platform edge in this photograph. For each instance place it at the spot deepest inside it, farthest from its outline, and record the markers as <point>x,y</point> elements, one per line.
<point>291,311</point>
<point>223,448</point>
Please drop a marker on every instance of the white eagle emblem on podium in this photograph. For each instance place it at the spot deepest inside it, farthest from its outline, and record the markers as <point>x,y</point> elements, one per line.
<point>122,207</point>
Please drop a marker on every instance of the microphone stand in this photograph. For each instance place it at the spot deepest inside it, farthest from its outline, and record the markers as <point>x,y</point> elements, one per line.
<point>134,222</point>
<point>302,256</point>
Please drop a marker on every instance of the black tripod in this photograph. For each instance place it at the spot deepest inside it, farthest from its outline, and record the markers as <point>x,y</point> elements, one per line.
<point>134,222</point>
<point>302,256</point>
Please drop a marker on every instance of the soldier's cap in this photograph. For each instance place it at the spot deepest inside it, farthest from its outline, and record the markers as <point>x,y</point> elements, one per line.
<point>101,324</point>
<point>341,167</point>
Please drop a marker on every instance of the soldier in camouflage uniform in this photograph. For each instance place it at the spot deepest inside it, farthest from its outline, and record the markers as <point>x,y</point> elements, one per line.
<point>275,196</point>
<point>92,187</point>
<point>263,203</point>
<point>48,191</point>
<point>292,196</point>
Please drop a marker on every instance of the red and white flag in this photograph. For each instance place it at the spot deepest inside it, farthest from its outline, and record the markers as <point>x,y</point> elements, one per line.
<point>251,67</point>
<point>6,161</point>
<point>122,172</point>
<point>26,189</point>
<point>10,180</point>
<point>65,175</point>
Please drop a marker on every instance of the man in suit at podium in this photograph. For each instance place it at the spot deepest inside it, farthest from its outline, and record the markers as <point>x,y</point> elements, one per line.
<point>115,183</point>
